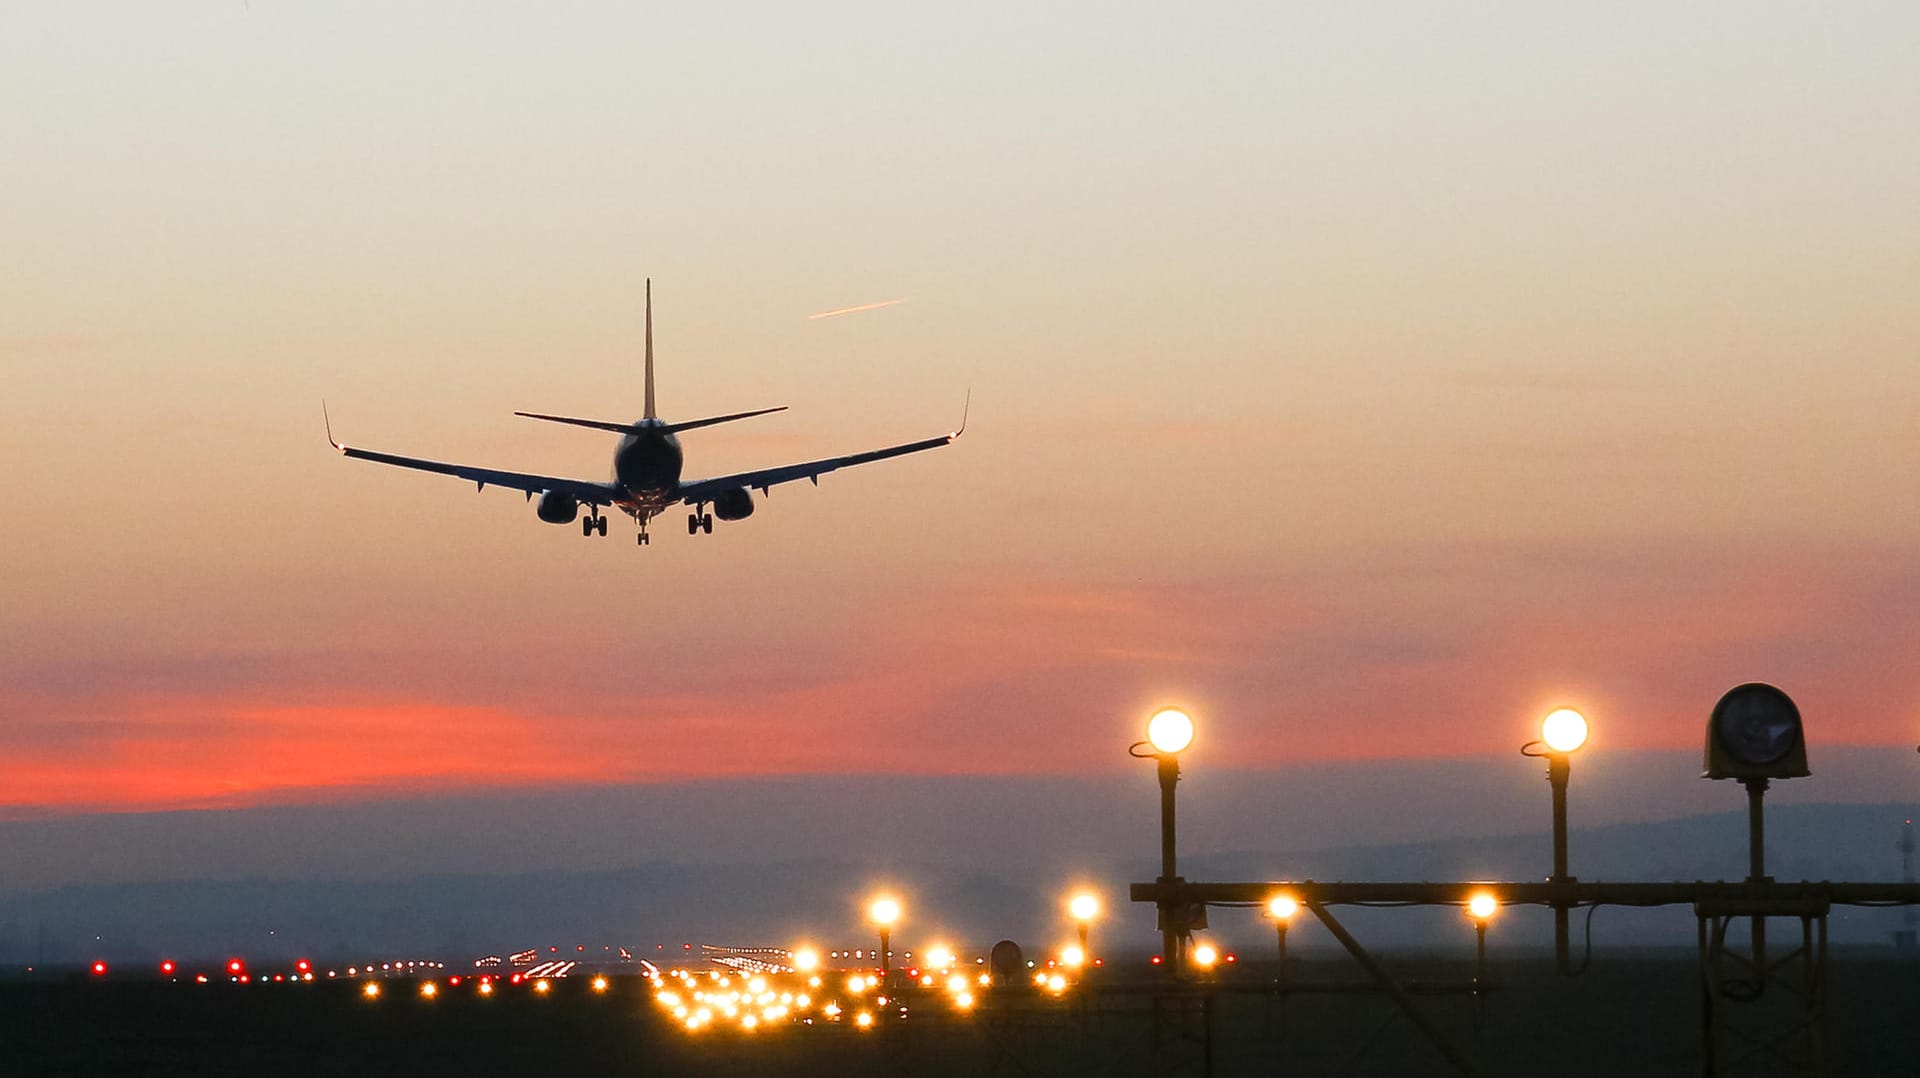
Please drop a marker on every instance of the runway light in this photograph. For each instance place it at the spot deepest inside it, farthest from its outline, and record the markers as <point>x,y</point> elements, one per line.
<point>1170,731</point>
<point>429,989</point>
<point>1205,955</point>
<point>99,969</point>
<point>235,966</point>
<point>806,960</point>
<point>599,984</point>
<point>166,968</point>
<point>864,1020</point>
<point>486,988</point>
<point>371,990</point>
<point>939,957</point>
<point>1072,956</point>
<point>1482,905</point>
<point>1282,907</point>
<point>1564,730</point>
<point>542,987</point>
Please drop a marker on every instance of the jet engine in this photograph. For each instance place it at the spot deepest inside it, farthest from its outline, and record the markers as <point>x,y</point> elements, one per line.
<point>733,504</point>
<point>558,507</point>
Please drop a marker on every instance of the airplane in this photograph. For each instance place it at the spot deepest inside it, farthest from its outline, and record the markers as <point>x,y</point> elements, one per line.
<point>646,469</point>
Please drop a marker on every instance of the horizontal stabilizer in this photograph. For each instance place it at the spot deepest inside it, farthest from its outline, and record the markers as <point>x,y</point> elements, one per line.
<point>636,428</point>
<point>692,423</point>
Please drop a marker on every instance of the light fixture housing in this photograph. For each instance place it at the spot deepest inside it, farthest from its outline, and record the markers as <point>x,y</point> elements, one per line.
<point>1170,731</point>
<point>1755,733</point>
<point>1084,906</point>
<point>1564,730</point>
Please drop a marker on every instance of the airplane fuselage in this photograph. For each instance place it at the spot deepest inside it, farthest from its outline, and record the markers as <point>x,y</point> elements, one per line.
<point>646,466</point>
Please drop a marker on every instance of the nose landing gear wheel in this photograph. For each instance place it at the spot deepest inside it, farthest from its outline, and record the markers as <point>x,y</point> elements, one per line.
<point>641,538</point>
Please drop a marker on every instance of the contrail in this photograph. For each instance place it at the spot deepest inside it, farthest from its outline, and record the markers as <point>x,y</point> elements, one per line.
<point>856,310</point>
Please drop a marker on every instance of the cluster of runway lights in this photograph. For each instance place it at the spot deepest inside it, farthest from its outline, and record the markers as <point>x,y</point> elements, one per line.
<point>483,986</point>
<point>808,994</point>
<point>236,971</point>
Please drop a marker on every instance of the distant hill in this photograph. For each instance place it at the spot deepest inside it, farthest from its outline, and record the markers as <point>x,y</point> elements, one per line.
<point>666,903</point>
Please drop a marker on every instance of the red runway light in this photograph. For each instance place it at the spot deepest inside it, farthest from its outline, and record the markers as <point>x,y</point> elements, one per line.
<point>99,969</point>
<point>166,968</point>
<point>454,981</point>
<point>234,966</point>
<point>1155,960</point>
<point>303,965</point>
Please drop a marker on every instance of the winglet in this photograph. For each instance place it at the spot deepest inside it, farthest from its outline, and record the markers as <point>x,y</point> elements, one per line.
<point>964,409</point>
<point>328,420</point>
<point>651,414</point>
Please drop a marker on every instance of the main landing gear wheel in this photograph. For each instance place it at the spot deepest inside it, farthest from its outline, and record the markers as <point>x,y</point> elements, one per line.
<point>589,525</point>
<point>706,523</point>
<point>693,523</point>
<point>600,525</point>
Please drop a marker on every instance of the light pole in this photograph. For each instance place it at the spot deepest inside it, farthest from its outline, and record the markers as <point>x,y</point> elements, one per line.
<point>1481,907</point>
<point>1282,908</point>
<point>1562,733</point>
<point>1084,907</point>
<point>884,912</point>
<point>1169,732</point>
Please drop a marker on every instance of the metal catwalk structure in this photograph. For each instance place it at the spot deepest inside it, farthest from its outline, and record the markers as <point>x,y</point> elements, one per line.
<point>1754,736</point>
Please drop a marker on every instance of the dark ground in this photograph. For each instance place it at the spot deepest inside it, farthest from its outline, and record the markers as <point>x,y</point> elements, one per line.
<point>1630,1014</point>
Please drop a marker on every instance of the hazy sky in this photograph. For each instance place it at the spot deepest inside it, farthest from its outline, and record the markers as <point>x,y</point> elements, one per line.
<point>1368,377</point>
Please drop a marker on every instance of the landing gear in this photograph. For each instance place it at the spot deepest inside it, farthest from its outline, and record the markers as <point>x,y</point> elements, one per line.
<point>594,523</point>
<point>641,539</point>
<point>699,522</point>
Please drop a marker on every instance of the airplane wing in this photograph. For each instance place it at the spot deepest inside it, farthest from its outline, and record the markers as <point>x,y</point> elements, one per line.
<point>703,490</point>
<point>587,492</point>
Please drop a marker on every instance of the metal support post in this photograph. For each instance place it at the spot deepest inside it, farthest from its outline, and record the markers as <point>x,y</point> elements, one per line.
<point>1559,770</point>
<point>1170,913</point>
<point>1757,869</point>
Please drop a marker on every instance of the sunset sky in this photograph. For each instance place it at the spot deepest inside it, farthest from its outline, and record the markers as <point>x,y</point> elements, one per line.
<point>1368,378</point>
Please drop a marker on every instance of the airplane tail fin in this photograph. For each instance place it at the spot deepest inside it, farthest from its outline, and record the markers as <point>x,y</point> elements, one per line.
<point>651,412</point>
